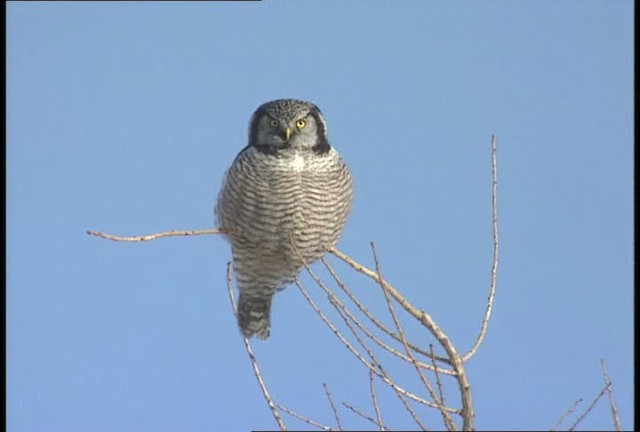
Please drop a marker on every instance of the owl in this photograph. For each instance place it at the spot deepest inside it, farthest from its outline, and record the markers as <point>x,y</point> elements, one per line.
<point>287,187</point>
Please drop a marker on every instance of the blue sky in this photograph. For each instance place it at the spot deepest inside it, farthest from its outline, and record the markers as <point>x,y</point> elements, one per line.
<point>123,117</point>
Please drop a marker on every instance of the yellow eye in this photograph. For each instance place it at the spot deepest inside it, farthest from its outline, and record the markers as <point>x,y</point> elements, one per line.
<point>300,124</point>
<point>274,123</point>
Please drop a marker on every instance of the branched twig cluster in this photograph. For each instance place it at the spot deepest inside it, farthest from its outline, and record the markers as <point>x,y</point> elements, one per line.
<point>612,402</point>
<point>606,389</point>
<point>366,337</point>
<point>363,336</point>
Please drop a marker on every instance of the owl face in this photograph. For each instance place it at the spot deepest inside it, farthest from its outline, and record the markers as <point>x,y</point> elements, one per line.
<point>288,124</point>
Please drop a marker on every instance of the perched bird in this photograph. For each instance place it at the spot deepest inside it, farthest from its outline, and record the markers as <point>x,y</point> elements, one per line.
<point>287,187</point>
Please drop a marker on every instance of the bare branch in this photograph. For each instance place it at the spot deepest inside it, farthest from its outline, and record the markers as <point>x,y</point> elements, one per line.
<point>571,409</point>
<point>438,382</point>
<point>410,410</point>
<point>374,400</point>
<point>360,357</point>
<point>379,371</point>
<point>342,309</point>
<point>252,357</point>
<point>612,403</point>
<point>494,266</point>
<point>382,327</point>
<point>445,416</point>
<point>436,331</point>
<point>149,237</point>
<point>333,406</point>
<point>333,328</point>
<point>590,407</point>
<point>307,420</point>
<point>361,414</point>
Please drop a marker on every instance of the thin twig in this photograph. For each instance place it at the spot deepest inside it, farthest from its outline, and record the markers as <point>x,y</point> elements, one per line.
<point>347,317</point>
<point>335,302</point>
<point>445,416</point>
<point>343,308</point>
<point>426,320</point>
<point>380,373</point>
<point>374,400</point>
<point>307,420</point>
<point>388,348</point>
<point>381,326</point>
<point>612,403</point>
<point>149,237</point>
<point>588,410</point>
<point>494,266</point>
<point>410,410</point>
<point>379,370</point>
<point>571,409</point>
<point>438,382</point>
<point>361,414</point>
<point>333,328</point>
<point>252,357</point>
<point>333,406</point>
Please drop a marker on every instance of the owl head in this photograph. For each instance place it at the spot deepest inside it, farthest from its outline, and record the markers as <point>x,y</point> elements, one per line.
<point>288,124</point>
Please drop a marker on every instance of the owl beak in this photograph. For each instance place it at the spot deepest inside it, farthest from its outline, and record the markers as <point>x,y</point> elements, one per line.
<point>287,133</point>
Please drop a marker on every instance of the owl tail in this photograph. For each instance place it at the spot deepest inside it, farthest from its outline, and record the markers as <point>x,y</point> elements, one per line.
<point>254,314</point>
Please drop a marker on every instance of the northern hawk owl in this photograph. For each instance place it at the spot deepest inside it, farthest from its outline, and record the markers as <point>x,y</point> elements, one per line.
<point>287,186</point>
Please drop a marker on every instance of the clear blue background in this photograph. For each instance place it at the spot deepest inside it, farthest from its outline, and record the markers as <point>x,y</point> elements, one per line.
<point>123,117</point>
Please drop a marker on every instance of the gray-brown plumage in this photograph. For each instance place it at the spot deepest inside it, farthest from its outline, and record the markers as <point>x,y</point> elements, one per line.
<point>287,185</point>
